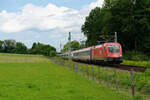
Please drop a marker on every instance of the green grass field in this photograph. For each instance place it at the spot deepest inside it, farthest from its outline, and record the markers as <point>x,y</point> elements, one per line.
<point>29,77</point>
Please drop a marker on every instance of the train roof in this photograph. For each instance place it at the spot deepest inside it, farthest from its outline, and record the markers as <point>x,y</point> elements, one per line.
<point>84,49</point>
<point>111,43</point>
<point>105,44</point>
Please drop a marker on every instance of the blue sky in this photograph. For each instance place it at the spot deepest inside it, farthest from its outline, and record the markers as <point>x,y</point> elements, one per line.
<point>15,5</point>
<point>46,21</point>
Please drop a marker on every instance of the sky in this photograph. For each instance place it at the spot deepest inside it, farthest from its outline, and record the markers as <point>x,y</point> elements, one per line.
<point>45,21</point>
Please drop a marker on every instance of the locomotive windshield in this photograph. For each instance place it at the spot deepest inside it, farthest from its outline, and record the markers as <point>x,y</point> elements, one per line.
<point>114,49</point>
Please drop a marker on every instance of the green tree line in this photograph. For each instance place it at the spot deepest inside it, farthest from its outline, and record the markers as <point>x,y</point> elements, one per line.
<point>75,45</point>
<point>11,46</point>
<point>129,18</point>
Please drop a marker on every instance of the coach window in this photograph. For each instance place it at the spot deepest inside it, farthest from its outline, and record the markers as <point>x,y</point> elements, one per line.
<point>78,54</point>
<point>88,52</point>
<point>75,54</point>
<point>85,53</point>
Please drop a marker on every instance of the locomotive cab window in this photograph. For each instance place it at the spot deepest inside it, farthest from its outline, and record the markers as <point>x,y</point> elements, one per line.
<point>114,49</point>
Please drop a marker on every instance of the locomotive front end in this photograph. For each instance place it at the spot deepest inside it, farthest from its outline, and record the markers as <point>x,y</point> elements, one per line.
<point>114,53</point>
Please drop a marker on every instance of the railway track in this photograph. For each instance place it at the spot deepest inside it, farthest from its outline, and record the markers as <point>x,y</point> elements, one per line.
<point>121,66</point>
<point>118,66</point>
<point>128,67</point>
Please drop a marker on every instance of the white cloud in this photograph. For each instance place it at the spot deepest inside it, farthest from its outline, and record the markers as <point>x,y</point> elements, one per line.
<point>87,8</point>
<point>44,18</point>
<point>40,18</point>
<point>98,3</point>
<point>57,20</point>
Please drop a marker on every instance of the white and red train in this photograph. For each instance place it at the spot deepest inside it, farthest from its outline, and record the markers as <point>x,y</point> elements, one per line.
<point>107,52</point>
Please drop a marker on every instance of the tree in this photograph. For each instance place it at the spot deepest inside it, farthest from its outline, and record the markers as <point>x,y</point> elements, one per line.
<point>75,45</point>
<point>1,46</point>
<point>20,48</point>
<point>134,25</point>
<point>92,26</point>
<point>129,18</point>
<point>39,48</point>
<point>9,46</point>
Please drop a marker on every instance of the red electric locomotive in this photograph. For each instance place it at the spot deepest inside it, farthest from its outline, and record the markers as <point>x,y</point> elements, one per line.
<point>107,52</point>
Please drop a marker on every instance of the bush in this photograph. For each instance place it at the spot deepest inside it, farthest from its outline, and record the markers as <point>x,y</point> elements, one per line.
<point>146,89</point>
<point>138,98</point>
<point>135,56</point>
<point>52,53</point>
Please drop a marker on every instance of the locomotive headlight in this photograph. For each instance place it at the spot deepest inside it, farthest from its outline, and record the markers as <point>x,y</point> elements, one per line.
<point>120,55</point>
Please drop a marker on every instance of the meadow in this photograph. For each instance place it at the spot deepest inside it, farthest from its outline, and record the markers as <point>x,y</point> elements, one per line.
<point>35,77</point>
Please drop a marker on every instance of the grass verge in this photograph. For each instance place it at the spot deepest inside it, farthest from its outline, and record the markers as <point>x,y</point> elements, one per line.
<point>141,80</point>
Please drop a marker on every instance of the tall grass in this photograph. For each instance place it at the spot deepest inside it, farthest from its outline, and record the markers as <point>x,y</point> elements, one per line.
<point>21,58</point>
<point>137,63</point>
